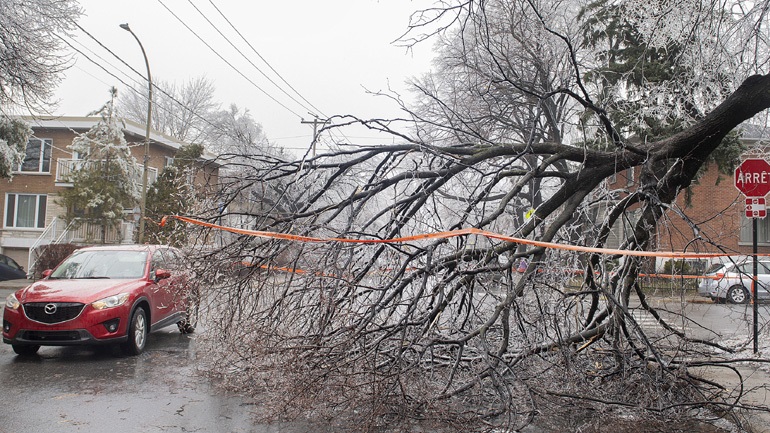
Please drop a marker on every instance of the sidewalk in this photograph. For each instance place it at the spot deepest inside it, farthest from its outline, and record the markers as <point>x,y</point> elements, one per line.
<point>15,284</point>
<point>756,381</point>
<point>10,286</point>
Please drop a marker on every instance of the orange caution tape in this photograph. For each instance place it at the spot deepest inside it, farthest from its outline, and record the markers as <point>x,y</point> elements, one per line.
<point>451,234</point>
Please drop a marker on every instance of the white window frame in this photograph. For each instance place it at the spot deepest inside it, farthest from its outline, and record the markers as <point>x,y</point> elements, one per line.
<point>12,217</point>
<point>43,144</point>
<point>763,231</point>
<point>630,176</point>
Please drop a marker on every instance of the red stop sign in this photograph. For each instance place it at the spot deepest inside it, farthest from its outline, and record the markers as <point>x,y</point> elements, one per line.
<point>752,178</point>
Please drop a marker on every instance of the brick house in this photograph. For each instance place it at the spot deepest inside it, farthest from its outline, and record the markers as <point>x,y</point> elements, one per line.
<point>714,205</point>
<point>31,214</point>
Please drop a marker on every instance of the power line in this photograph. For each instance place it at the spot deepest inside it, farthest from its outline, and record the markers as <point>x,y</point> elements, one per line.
<point>232,26</point>
<point>102,58</point>
<point>333,133</point>
<point>227,62</point>
<point>316,109</point>
<point>140,94</point>
<point>166,110</point>
<point>160,90</point>
<point>164,92</point>
<point>93,61</point>
<point>262,58</point>
<point>245,57</point>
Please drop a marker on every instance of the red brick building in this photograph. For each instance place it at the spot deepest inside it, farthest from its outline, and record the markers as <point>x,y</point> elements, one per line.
<point>717,209</point>
<point>708,217</point>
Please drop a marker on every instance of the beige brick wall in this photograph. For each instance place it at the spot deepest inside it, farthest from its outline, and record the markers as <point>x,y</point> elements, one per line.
<point>45,183</point>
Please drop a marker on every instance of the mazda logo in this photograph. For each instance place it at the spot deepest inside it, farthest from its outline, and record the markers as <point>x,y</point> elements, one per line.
<point>50,308</point>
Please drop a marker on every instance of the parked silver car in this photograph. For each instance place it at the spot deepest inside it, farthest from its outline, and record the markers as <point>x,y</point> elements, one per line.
<point>731,282</point>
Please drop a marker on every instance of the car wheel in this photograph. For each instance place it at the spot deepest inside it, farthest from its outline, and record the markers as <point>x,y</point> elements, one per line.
<point>137,333</point>
<point>738,295</point>
<point>25,349</point>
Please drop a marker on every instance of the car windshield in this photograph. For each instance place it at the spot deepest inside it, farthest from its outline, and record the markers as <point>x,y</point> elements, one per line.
<point>102,264</point>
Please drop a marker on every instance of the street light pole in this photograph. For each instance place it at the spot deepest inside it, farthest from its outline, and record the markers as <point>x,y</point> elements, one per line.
<point>143,203</point>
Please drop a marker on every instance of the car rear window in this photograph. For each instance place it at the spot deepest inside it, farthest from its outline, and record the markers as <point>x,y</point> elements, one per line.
<point>714,268</point>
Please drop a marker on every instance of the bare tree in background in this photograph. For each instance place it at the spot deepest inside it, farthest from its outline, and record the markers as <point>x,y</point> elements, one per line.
<point>236,133</point>
<point>241,146</point>
<point>442,329</point>
<point>189,113</point>
<point>179,111</point>
<point>31,51</point>
<point>31,62</point>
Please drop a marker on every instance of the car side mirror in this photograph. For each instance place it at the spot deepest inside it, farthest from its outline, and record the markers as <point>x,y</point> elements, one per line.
<point>47,272</point>
<point>162,274</point>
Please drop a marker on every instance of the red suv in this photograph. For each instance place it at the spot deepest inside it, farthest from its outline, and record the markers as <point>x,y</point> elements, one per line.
<point>106,294</point>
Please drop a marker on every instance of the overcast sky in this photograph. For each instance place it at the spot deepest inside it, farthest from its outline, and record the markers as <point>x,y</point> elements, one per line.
<point>329,51</point>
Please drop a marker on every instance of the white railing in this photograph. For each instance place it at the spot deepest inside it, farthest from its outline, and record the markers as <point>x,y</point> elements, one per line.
<point>89,233</point>
<point>64,232</point>
<point>79,233</point>
<point>66,166</point>
<point>48,236</point>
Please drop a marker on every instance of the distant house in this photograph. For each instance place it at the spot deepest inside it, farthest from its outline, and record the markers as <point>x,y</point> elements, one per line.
<point>31,215</point>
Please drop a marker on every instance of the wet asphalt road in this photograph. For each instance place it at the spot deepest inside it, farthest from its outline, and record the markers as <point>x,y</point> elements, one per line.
<point>98,389</point>
<point>76,389</point>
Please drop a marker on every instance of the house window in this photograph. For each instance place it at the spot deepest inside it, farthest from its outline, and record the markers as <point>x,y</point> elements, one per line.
<point>763,231</point>
<point>37,158</point>
<point>25,210</point>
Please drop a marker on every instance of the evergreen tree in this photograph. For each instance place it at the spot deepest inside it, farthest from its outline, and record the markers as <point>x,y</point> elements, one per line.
<point>648,89</point>
<point>106,182</point>
<point>173,194</point>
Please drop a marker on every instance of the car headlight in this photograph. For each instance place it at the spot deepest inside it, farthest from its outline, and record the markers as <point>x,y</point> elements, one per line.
<point>110,302</point>
<point>11,302</point>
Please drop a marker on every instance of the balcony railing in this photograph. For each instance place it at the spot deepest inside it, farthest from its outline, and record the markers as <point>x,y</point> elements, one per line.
<point>65,166</point>
<point>89,233</point>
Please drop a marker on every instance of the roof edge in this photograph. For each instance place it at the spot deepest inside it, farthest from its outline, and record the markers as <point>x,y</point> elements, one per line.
<point>87,122</point>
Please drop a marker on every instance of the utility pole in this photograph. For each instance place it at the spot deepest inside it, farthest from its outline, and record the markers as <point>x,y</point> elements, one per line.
<point>315,122</point>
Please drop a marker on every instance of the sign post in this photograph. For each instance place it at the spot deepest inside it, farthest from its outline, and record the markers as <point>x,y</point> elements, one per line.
<point>752,178</point>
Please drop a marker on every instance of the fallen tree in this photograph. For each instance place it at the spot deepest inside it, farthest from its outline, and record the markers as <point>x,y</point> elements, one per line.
<point>446,329</point>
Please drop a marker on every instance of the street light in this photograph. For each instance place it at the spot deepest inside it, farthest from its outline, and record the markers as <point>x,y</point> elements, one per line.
<point>143,203</point>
